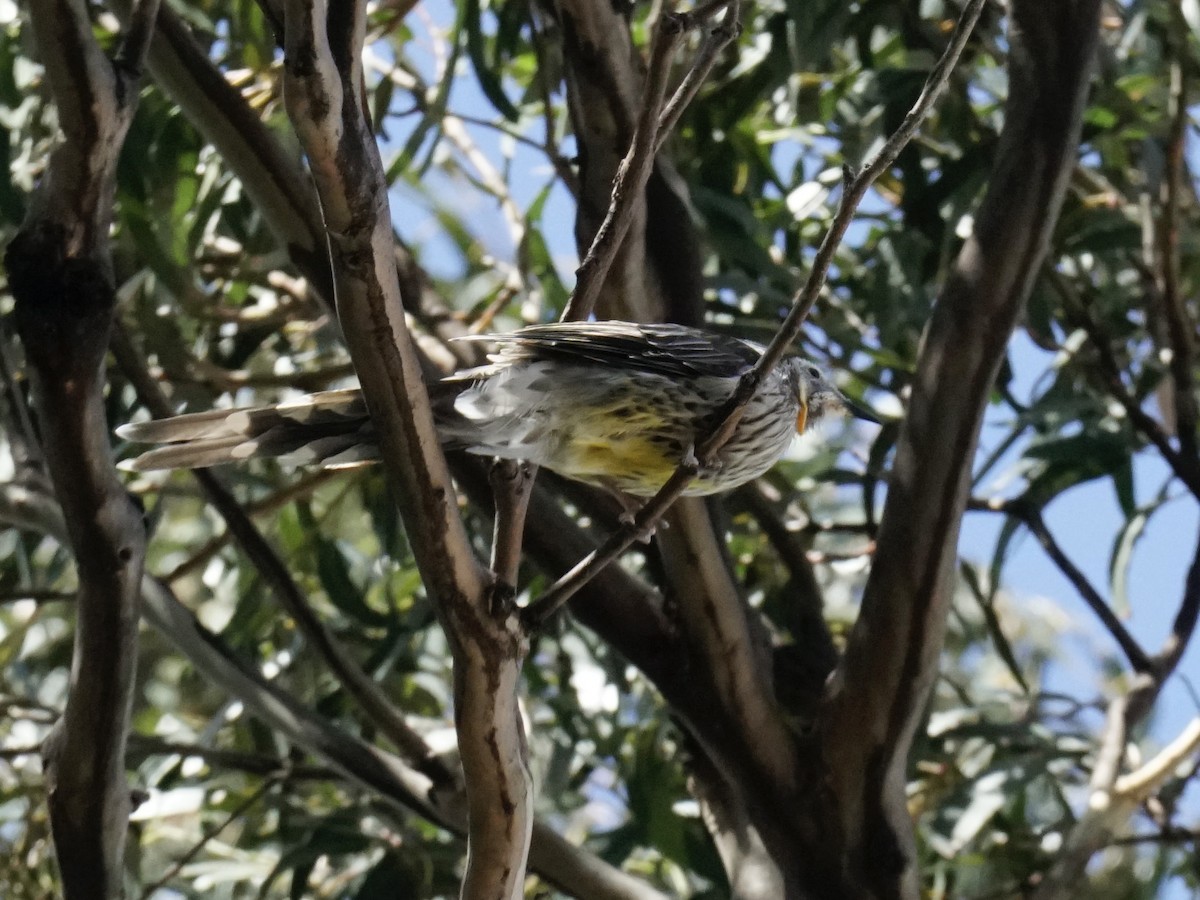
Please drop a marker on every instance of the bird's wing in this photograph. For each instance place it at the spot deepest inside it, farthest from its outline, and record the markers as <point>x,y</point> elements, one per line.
<point>671,350</point>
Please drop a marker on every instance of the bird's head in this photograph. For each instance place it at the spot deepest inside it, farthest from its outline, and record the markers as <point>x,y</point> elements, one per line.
<point>817,396</point>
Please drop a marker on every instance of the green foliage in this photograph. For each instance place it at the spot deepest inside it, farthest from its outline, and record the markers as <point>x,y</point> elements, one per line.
<point>812,87</point>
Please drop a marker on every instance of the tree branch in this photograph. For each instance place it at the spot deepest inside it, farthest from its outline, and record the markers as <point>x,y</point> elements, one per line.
<point>655,275</point>
<point>707,449</point>
<point>273,178</point>
<point>1184,625</point>
<point>753,874</point>
<point>807,606</point>
<point>302,487</point>
<point>1163,663</point>
<point>1114,798</point>
<point>1110,370</point>
<point>878,693</point>
<point>60,274</point>
<point>210,834</point>
<point>511,484</point>
<point>401,788</point>
<point>654,125</point>
<point>714,42</point>
<point>730,641</point>
<point>323,93</point>
<point>358,685</point>
<point>631,176</point>
<point>628,615</point>
<point>1032,519</point>
<point>1179,327</point>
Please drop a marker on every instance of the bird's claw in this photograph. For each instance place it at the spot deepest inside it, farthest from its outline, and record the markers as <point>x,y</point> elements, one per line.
<point>643,534</point>
<point>703,470</point>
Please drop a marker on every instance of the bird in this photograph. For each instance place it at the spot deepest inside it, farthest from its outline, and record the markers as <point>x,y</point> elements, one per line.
<point>609,403</point>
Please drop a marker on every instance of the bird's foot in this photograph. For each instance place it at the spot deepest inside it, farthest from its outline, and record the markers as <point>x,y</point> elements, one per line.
<point>630,507</point>
<point>628,518</point>
<point>701,470</point>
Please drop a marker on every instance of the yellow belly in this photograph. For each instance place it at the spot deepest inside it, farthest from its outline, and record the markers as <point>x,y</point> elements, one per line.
<point>618,458</point>
<point>623,446</point>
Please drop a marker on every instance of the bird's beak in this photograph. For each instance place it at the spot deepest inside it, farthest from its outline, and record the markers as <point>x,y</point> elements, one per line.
<point>859,412</point>
<point>802,417</point>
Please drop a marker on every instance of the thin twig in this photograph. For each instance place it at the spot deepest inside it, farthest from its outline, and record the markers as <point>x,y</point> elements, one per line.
<point>234,814</point>
<point>143,746</point>
<point>492,182</point>
<point>562,165</point>
<point>9,754</point>
<point>1179,326</point>
<point>713,44</point>
<point>1163,663</point>
<point>202,372</point>
<point>856,187</point>
<point>631,177</point>
<point>37,595</point>
<point>1032,519</point>
<point>992,621</point>
<point>1185,620</point>
<point>22,436</point>
<point>410,81</point>
<point>1110,370</point>
<point>511,485</point>
<point>1169,835</point>
<point>270,504</point>
<point>483,322</point>
<point>790,545</point>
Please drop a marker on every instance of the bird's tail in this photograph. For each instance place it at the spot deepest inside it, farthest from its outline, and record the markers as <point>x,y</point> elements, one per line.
<point>330,429</point>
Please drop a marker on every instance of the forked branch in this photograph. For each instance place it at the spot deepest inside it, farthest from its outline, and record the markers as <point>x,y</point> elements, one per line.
<point>878,694</point>
<point>855,188</point>
<point>654,125</point>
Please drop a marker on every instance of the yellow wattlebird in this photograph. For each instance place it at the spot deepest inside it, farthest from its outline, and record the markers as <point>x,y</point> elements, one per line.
<point>610,403</point>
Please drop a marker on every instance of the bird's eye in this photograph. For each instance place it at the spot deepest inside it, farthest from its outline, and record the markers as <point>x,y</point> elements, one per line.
<point>814,372</point>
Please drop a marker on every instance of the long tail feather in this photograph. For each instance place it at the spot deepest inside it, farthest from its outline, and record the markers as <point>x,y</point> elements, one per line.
<point>329,428</point>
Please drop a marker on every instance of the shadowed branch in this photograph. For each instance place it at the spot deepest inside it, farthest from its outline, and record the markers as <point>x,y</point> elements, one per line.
<point>879,691</point>
<point>60,275</point>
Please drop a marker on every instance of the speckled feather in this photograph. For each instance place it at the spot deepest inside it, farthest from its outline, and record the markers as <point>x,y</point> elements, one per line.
<point>611,403</point>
